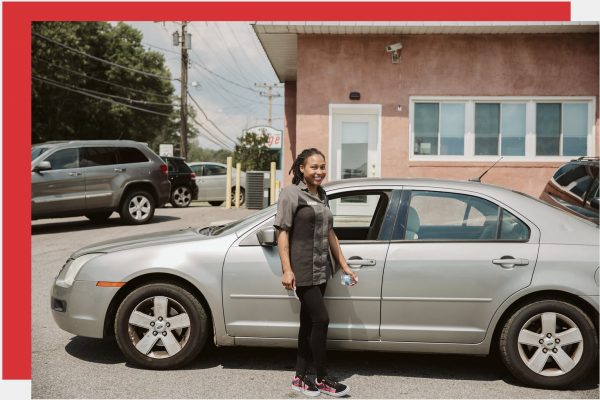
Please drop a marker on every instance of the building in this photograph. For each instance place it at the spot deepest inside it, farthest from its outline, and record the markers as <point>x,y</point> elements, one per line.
<point>443,100</point>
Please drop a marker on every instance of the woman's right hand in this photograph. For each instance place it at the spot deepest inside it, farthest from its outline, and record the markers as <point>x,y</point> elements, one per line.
<point>289,280</point>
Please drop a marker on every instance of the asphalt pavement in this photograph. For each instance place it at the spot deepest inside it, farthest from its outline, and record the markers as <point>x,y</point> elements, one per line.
<point>68,366</point>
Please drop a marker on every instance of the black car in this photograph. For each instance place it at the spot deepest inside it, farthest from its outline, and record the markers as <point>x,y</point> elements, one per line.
<point>574,188</point>
<point>183,182</point>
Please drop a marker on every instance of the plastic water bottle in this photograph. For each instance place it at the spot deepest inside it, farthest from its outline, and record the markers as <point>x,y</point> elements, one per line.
<point>346,280</point>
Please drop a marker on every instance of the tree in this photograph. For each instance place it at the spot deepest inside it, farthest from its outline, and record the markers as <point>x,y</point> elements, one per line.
<point>253,153</point>
<point>75,96</point>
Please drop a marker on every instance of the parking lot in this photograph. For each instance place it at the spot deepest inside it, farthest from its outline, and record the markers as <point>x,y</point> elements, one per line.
<point>68,366</point>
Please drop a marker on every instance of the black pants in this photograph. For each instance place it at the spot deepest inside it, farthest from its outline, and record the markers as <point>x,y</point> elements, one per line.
<point>312,336</point>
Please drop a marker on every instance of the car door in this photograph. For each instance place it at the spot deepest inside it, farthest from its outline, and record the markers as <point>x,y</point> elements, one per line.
<point>198,170</point>
<point>100,172</point>
<point>60,190</point>
<point>214,180</point>
<point>256,305</point>
<point>453,259</point>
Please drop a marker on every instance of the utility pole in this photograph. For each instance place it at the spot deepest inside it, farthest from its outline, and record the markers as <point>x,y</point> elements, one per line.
<point>186,43</point>
<point>269,94</point>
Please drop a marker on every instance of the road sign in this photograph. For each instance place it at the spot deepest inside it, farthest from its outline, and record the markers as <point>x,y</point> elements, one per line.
<point>165,150</point>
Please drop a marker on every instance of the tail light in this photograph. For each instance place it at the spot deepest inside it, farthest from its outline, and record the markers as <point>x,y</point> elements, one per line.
<point>164,168</point>
<point>193,175</point>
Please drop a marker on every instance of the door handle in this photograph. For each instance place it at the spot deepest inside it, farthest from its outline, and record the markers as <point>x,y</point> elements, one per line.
<point>357,263</point>
<point>510,262</point>
<point>120,169</point>
<point>74,173</point>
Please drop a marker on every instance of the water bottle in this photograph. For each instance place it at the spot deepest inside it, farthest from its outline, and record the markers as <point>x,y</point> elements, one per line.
<point>346,280</point>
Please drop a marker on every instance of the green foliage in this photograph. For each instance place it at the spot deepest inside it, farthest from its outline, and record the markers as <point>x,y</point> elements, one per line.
<point>60,114</point>
<point>197,153</point>
<point>253,153</point>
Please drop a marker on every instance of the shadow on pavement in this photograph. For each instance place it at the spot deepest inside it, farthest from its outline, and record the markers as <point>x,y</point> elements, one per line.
<point>85,224</point>
<point>342,364</point>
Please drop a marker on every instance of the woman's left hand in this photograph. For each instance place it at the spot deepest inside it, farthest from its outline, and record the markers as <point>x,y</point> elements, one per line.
<point>352,274</point>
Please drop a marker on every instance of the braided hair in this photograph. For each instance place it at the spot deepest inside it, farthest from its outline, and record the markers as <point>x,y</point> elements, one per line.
<point>299,161</point>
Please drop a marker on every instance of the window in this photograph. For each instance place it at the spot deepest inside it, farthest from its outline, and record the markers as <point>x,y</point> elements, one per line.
<point>439,128</point>
<point>447,216</point>
<point>95,156</point>
<point>515,127</point>
<point>512,228</point>
<point>211,169</point>
<point>63,159</point>
<point>197,169</point>
<point>363,222</point>
<point>561,129</point>
<point>130,155</point>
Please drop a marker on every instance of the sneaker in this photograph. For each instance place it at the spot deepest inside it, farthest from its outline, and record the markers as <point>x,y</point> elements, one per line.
<point>332,387</point>
<point>305,385</point>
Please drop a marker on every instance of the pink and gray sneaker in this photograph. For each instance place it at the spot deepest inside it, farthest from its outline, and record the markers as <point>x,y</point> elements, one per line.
<point>303,384</point>
<point>332,387</point>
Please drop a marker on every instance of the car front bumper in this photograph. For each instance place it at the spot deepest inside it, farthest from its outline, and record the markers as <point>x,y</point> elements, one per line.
<point>81,308</point>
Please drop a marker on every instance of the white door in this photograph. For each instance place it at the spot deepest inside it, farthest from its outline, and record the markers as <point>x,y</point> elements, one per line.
<point>354,154</point>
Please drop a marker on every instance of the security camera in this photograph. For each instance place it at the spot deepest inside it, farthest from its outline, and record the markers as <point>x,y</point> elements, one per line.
<point>393,47</point>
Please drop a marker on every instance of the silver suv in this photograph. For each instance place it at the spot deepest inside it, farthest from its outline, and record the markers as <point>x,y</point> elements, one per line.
<point>96,178</point>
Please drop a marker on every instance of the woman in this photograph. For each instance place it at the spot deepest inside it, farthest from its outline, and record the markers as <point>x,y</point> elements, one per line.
<point>305,237</point>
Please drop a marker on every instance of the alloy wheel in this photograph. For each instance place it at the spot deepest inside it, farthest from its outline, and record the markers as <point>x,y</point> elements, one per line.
<point>139,207</point>
<point>182,196</point>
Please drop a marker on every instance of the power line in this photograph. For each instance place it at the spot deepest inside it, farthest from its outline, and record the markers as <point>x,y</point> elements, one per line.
<point>212,138</point>
<point>101,80</point>
<point>101,59</point>
<point>53,83</point>
<point>114,96</point>
<point>209,120</point>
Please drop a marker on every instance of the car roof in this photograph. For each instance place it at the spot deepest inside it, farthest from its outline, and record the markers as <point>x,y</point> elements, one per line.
<point>88,142</point>
<point>205,162</point>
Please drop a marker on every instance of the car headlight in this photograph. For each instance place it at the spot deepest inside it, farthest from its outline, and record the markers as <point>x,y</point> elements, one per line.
<point>66,277</point>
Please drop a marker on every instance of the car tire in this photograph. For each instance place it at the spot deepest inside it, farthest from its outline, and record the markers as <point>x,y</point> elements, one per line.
<point>549,344</point>
<point>99,217</point>
<point>137,207</point>
<point>161,345</point>
<point>242,196</point>
<point>181,197</point>
<point>215,203</point>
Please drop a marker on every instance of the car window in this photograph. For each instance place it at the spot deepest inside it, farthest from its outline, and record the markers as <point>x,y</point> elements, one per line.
<point>447,216</point>
<point>94,156</point>
<point>211,169</point>
<point>182,166</point>
<point>37,151</point>
<point>172,165</point>
<point>512,228</point>
<point>130,155</point>
<point>197,169</point>
<point>358,220</point>
<point>65,158</point>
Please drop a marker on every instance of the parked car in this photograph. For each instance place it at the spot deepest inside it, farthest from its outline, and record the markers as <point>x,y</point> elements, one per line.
<point>211,179</point>
<point>183,182</point>
<point>96,178</point>
<point>574,188</point>
<point>444,267</point>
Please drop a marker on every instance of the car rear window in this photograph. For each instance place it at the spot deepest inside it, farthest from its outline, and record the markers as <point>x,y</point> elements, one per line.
<point>95,156</point>
<point>130,155</point>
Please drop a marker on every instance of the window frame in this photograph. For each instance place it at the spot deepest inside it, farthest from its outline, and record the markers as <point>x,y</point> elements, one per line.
<point>530,127</point>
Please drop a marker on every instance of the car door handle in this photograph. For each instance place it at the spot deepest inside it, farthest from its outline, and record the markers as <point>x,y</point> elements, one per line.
<point>510,262</point>
<point>357,263</point>
<point>74,173</point>
<point>120,169</point>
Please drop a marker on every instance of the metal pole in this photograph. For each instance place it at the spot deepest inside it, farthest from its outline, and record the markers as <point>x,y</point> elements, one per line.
<point>184,80</point>
<point>273,167</point>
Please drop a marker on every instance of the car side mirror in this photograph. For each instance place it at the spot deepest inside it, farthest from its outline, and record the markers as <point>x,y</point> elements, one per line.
<point>42,166</point>
<point>267,237</point>
<point>594,203</point>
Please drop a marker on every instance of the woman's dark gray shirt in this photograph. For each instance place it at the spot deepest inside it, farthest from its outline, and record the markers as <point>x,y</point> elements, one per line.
<point>308,220</point>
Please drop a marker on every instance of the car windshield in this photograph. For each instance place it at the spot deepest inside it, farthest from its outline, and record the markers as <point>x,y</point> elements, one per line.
<point>245,222</point>
<point>37,151</point>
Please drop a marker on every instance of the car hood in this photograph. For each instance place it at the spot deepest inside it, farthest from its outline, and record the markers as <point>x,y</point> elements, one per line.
<point>146,240</point>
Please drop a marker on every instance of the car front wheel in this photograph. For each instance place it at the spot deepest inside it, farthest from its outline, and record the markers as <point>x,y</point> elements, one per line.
<point>181,197</point>
<point>161,326</point>
<point>549,344</point>
<point>137,207</point>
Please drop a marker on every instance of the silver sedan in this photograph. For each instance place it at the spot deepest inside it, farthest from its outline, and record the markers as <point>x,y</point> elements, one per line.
<point>445,267</point>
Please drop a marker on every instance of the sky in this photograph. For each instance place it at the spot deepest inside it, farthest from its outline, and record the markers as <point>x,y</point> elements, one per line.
<point>226,61</point>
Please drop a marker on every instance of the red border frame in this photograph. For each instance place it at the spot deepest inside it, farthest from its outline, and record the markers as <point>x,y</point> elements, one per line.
<point>16,140</point>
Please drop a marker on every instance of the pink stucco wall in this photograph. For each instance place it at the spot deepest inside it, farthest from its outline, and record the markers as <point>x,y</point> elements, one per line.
<point>330,67</point>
